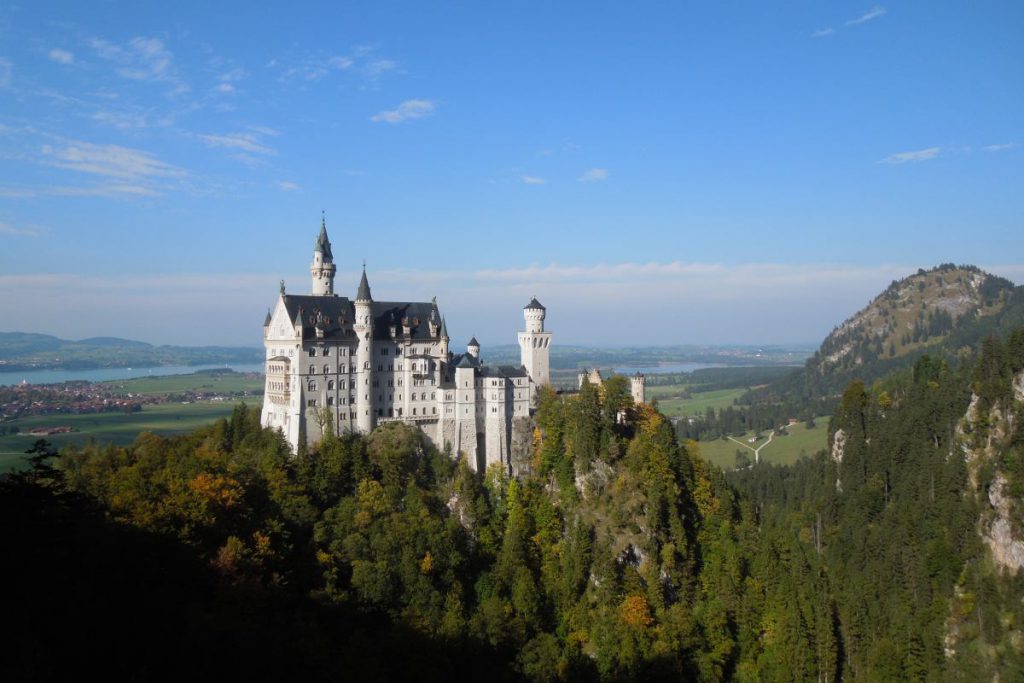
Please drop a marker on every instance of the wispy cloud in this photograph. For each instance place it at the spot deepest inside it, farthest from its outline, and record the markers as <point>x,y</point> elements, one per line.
<point>111,161</point>
<point>871,14</point>
<point>120,119</point>
<point>822,32</point>
<point>6,70</point>
<point>23,231</point>
<point>378,67</point>
<point>109,191</point>
<point>245,142</point>
<point>142,59</point>
<point>61,56</point>
<point>532,180</point>
<point>1001,147</point>
<point>913,156</point>
<point>408,110</point>
<point>594,175</point>
<point>288,186</point>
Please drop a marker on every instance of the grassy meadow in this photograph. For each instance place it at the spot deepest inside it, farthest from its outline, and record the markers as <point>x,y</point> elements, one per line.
<point>783,450</point>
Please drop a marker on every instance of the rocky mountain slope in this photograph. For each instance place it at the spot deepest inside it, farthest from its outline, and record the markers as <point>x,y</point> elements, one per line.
<point>945,312</point>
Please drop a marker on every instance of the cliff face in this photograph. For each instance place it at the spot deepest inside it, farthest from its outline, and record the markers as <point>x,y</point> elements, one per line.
<point>986,439</point>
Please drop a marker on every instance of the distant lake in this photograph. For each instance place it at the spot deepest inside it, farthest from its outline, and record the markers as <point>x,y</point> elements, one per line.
<point>667,368</point>
<point>109,374</point>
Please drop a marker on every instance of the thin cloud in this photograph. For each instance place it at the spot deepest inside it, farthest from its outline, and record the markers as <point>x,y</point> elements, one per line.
<point>109,160</point>
<point>1000,148</point>
<point>594,175</point>
<point>406,111</point>
<point>245,142</point>
<point>6,70</point>
<point>26,231</point>
<point>61,56</point>
<point>142,59</point>
<point>910,157</point>
<point>378,67</point>
<point>288,186</point>
<point>873,13</point>
<point>109,191</point>
<point>822,32</point>
<point>120,119</point>
<point>532,180</point>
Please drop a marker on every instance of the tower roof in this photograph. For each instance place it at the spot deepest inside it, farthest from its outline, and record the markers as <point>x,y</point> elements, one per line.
<point>534,304</point>
<point>473,342</point>
<point>364,288</point>
<point>466,362</point>
<point>444,329</point>
<point>267,320</point>
<point>323,245</point>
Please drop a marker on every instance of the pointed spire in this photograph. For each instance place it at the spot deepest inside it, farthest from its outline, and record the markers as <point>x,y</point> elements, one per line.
<point>473,342</point>
<point>444,329</point>
<point>323,245</point>
<point>298,319</point>
<point>266,322</point>
<point>364,287</point>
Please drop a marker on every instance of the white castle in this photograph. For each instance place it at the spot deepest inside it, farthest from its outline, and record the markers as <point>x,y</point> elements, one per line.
<point>358,363</point>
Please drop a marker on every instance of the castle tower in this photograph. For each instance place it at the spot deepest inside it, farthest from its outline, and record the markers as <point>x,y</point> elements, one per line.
<point>445,339</point>
<point>473,348</point>
<point>636,385</point>
<point>322,269</point>
<point>363,327</point>
<point>466,439</point>
<point>534,344</point>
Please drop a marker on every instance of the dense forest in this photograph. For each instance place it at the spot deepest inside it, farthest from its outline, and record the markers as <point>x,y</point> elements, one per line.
<point>619,554</point>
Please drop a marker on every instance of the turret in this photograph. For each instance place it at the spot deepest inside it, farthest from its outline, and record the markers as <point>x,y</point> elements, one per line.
<point>444,339</point>
<point>363,328</point>
<point>535,343</point>
<point>473,348</point>
<point>322,269</point>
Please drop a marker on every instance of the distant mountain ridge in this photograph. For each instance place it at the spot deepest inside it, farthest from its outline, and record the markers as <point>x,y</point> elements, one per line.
<point>945,311</point>
<point>22,351</point>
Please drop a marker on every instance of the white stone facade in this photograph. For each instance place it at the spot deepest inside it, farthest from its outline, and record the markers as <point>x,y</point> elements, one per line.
<point>358,363</point>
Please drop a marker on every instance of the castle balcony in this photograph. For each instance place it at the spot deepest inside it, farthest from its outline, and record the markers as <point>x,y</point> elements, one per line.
<point>409,418</point>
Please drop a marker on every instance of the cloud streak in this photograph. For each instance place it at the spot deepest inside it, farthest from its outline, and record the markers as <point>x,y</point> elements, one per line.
<point>872,14</point>
<point>822,32</point>
<point>406,111</point>
<point>532,180</point>
<point>111,161</point>
<point>61,56</point>
<point>911,157</point>
<point>594,175</point>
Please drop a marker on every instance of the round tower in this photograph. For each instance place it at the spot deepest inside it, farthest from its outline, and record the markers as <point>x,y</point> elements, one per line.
<point>363,328</point>
<point>322,269</point>
<point>535,343</point>
<point>473,348</point>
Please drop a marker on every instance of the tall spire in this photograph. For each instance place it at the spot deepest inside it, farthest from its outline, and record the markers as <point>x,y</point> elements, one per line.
<point>364,288</point>
<point>444,329</point>
<point>323,245</point>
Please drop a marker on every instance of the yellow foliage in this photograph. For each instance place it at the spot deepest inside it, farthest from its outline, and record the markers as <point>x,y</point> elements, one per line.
<point>635,611</point>
<point>323,557</point>
<point>427,563</point>
<point>216,489</point>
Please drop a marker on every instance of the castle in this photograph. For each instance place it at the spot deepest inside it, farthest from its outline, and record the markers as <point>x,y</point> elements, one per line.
<point>350,365</point>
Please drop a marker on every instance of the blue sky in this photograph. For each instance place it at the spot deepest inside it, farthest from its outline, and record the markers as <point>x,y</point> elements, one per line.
<point>679,172</point>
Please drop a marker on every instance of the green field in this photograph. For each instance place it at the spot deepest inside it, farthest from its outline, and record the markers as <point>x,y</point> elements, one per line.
<point>783,450</point>
<point>696,403</point>
<point>118,428</point>
<point>173,384</point>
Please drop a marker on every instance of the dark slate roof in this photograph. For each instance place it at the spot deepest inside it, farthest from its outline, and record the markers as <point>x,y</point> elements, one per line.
<point>266,321</point>
<point>503,371</point>
<point>444,328</point>
<point>466,362</point>
<point>473,342</point>
<point>323,245</point>
<point>534,304</point>
<point>364,289</point>
<point>337,313</point>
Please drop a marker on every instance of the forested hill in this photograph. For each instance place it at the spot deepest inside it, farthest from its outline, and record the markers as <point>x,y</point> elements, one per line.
<point>943,312</point>
<point>913,519</point>
<point>22,351</point>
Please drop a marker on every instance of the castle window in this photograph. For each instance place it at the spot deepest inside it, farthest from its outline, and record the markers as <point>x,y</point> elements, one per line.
<point>432,396</point>
<point>330,400</point>
<point>391,367</point>
<point>434,411</point>
<point>413,397</point>
<point>380,368</point>
<point>326,368</point>
<point>380,412</point>
<point>312,352</point>
<point>413,411</point>
<point>391,412</point>
<point>330,384</point>
<point>311,403</point>
<point>366,365</point>
<point>312,386</point>
<point>376,383</point>
<point>327,351</point>
<point>312,369</point>
<point>383,351</point>
<point>423,396</point>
